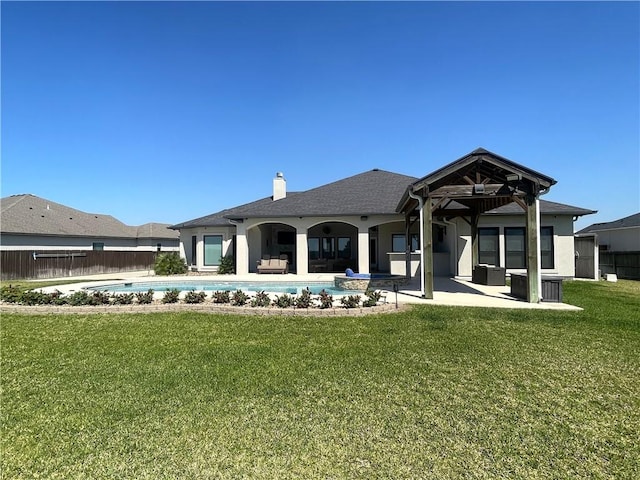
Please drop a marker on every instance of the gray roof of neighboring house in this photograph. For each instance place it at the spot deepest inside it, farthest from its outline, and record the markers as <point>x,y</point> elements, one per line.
<point>626,222</point>
<point>30,215</point>
<point>374,192</point>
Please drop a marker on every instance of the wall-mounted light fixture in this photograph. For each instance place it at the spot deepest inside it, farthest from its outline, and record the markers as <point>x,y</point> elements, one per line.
<point>364,218</point>
<point>513,177</point>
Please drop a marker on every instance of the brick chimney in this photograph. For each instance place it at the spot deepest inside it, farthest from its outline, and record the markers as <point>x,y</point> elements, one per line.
<point>279,186</point>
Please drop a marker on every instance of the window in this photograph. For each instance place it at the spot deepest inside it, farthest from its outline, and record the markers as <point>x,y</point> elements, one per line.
<point>344,247</point>
<point>546,247</point>
<point>98,245</point>
<point>328,247</point>
<point>488,249</point>
<point>194,246</point>
<point>515,247</point>
<point>314,248</point>
<point>398,242</point>
<point>212,250</point>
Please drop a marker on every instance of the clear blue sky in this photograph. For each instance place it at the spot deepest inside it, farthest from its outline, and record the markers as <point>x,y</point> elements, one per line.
<point>163,111</point>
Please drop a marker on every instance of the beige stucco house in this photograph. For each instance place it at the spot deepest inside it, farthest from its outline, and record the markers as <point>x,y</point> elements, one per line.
<point>359,223</point>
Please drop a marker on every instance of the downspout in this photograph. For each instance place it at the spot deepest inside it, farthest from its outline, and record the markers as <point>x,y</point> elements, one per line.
<point>420,206</point>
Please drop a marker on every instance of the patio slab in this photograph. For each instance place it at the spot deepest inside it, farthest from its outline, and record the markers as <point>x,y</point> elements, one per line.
<point>447,291</point>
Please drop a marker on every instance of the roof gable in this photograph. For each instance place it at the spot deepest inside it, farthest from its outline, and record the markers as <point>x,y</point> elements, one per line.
<point>481,180</point>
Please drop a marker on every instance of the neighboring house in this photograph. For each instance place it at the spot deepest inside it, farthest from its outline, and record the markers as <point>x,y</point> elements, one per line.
<point>28,222</point>
<point>613,246</point>
<point>621,235</point>
<point>366,222</point>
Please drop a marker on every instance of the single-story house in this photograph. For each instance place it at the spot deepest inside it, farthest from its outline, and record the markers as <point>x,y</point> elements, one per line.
<point>612,247</point>
<point>28,222</point>
<point>622,235</point>
<point>481,205</point>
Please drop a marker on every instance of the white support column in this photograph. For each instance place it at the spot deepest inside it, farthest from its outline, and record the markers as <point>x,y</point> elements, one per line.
<point>363,250</point>
<point>242,250</point>
<point>302,251</point>
<point>200,251</point>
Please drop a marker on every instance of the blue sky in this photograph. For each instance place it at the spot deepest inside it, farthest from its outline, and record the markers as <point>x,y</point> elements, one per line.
<point>163,111</point>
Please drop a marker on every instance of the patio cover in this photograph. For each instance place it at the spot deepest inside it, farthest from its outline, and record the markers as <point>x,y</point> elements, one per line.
<point>475,183</point>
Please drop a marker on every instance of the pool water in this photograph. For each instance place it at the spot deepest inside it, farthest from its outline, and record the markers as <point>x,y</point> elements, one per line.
<point>291,288</point>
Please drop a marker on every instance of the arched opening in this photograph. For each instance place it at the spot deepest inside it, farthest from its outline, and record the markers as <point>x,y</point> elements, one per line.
<point>333,247</point>
<point>272,240</point>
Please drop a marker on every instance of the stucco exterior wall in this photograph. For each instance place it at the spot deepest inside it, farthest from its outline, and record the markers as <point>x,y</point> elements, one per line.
<point>620,240</point>
<point>453,250</point>
<point>563,245</point>
<point>185,244</point>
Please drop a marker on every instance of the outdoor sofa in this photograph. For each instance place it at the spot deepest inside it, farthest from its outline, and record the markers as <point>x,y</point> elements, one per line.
<point>274,265</point>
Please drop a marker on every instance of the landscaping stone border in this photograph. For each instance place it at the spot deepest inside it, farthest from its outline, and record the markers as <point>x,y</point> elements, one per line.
<point>214,308</point>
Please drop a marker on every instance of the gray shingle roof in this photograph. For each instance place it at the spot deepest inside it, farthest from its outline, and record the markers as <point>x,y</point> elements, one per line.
<point>626,222</point>
<point>368,193</point>
<point>31,215</point>
<point>547,207</point>
<point>218,219</point>
<point>375,192</point>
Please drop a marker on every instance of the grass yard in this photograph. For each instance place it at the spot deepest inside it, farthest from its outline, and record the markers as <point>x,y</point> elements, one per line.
<point>437,392</point>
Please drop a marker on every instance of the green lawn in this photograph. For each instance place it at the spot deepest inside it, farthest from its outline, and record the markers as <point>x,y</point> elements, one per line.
<point>437,392</point>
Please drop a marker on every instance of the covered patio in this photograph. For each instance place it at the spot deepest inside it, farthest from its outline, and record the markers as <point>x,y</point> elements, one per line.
<point>466,188</point>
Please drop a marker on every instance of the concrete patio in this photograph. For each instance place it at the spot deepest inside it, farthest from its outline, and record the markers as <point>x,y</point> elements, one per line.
<point>448,291</point>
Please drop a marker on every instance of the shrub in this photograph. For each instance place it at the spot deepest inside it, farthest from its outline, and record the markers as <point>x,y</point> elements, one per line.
<point>326,300</point>
<point>350,301</point>
<point>239,298</point>
<point>304,299</point>
<point>122,298</point>
<point>169,264</point>
<point>57,298</point>
<point>145,298</point>
<point>33,297</point>
<point>195,297</point>
<point>261,300</point>
<point>227,265</point>
<point>283,301</point>
<point>100,298</point>
<point>171,296</point>
<point>373,298</point>
<point>10,294</point>
<point>79,298</point>
<point>221,297</point>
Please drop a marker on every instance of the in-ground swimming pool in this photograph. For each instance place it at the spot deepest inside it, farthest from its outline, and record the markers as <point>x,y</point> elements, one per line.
<point>293,288</point>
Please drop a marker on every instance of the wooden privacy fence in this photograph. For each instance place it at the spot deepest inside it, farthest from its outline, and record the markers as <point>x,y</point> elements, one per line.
<point>29,264</point>
<point>623,264</point>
